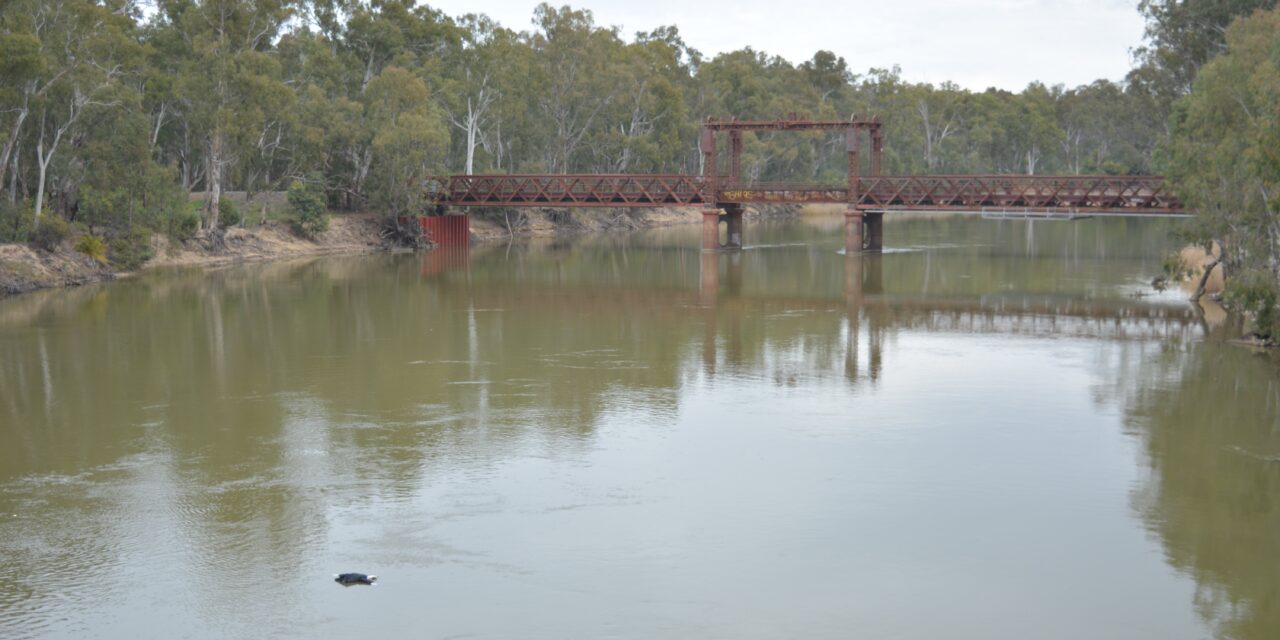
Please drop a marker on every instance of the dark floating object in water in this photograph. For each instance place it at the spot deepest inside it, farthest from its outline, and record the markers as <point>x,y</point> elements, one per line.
<point>348,579</point>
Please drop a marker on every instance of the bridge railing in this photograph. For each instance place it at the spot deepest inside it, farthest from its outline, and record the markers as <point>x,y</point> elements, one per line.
<point>1123,195</point>
<point>978,192</point>
<point>570,190</point>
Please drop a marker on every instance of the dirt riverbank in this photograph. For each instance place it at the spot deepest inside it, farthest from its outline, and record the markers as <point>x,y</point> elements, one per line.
<point>23,268</point>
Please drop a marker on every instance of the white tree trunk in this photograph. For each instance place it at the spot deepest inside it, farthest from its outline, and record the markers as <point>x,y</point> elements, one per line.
<point>472,128</point>
<point>40,185</point>
<point>12,142</point>
<point>215,180</point>
<point>43,160</point>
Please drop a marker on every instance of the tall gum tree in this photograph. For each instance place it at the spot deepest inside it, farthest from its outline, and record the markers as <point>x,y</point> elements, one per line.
<point>224,40</point>
<point>1224,159</point>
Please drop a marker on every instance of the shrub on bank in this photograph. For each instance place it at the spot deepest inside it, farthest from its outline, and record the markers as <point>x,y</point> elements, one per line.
<point>308,214</point>
<point>228,213</point>
<point>15,222</point>
<point>1257,294</point>
<point>184,222</point>
<point>131,249</point>
<point>51,232</point>
<point>92,246</point>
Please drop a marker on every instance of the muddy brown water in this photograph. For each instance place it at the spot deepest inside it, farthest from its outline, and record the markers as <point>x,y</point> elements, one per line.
<point>992,430</point>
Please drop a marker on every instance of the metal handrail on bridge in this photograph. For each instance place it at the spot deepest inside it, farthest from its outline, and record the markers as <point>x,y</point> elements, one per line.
<point>570,190</point>
<point>1136,194</point>
<point>1084,194</point>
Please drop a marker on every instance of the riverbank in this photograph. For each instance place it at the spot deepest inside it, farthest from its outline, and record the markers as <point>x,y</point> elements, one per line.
<point>24,268</point>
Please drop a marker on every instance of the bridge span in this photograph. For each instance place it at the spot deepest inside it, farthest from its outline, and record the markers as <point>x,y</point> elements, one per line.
<point>723,197</point>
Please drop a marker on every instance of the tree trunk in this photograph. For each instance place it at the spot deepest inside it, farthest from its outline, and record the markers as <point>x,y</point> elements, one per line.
<point>1204,279</point>
<point>10,144</point>
<point>215,180</point>
<point>13,178</point>
<point>43,162</point>
<point>472,126</point>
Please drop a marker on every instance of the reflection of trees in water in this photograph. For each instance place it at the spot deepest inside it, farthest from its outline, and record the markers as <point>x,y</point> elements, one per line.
<point>265,399</point>
<point>1208,415</point>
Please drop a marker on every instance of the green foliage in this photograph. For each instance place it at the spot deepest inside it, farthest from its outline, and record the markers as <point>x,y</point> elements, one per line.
<point>51,232</point>
<point>15,222</point>
<point>92,246</point>
<point>1224,153</point>
<point>131,249</point>
<point>408,142</point>
<point>184,222</point>
<point>228,213</point>
<point>1257,294</point>
<point>307,212</point>
<point>1182,36</point>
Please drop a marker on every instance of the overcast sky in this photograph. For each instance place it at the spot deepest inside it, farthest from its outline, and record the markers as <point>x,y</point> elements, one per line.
<point>975,43</point>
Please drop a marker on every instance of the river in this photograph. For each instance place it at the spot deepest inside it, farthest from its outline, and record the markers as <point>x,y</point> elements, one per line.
<point>993,430</point>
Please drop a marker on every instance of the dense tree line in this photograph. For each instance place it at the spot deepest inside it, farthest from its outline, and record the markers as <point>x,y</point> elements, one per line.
<point>112,111</point>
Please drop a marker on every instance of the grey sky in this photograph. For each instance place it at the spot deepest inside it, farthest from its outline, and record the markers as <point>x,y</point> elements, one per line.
<point>975,43</point>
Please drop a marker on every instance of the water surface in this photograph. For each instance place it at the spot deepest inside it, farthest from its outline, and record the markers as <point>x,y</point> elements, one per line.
<point>993,430</point>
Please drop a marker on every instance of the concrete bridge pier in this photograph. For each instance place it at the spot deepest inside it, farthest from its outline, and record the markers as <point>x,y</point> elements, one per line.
<point>731,217</point>
<point>853,232</point>
<point>863,231</point>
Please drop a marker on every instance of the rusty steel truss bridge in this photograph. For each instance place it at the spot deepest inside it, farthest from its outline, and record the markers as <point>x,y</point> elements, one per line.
<point>867,197</point>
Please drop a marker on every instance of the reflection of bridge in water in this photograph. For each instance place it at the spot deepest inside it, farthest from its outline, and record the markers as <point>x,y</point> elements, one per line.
<point>858,320</point>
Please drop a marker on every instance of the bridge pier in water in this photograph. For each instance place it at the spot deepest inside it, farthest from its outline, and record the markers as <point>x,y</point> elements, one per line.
<point>731,216</point>
<point>863,231</point>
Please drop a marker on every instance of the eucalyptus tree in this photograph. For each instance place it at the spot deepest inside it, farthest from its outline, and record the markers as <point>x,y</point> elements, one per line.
<point>576,65</point>
<point>941,113</point>
<point>1224,159</point>
<point>90,48</point>
<point>409,139</point>
<point>1181,36</point>
<point>647,127</point>
<point>227,78</point>
<point>472,90</point>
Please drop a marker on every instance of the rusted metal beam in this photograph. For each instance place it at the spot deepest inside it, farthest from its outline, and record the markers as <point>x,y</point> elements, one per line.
<point>790,123</point>
<point>569,190</point>
<point>979,192</point>
<point>1085,194</point>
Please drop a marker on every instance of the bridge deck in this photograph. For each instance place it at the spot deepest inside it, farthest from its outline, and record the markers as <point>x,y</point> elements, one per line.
<point>1117,195</point>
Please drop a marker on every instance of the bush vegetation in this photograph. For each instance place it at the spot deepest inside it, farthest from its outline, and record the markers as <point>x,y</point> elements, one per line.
<point>132,248</point>
<point>307,212</point>
<point>51,232</point>
<point>92,246</point>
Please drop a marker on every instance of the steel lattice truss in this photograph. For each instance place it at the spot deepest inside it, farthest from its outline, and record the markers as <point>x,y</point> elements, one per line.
<point>1097,194</point>
<point>570,190</point>
<point>1128,195</point>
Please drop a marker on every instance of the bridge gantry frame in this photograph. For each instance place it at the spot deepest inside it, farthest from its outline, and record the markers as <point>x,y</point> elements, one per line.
<point>723,197</point>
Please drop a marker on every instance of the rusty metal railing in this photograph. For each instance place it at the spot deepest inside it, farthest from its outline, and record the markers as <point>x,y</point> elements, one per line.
<point>1130,194</point>
<point>1126,195</point>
